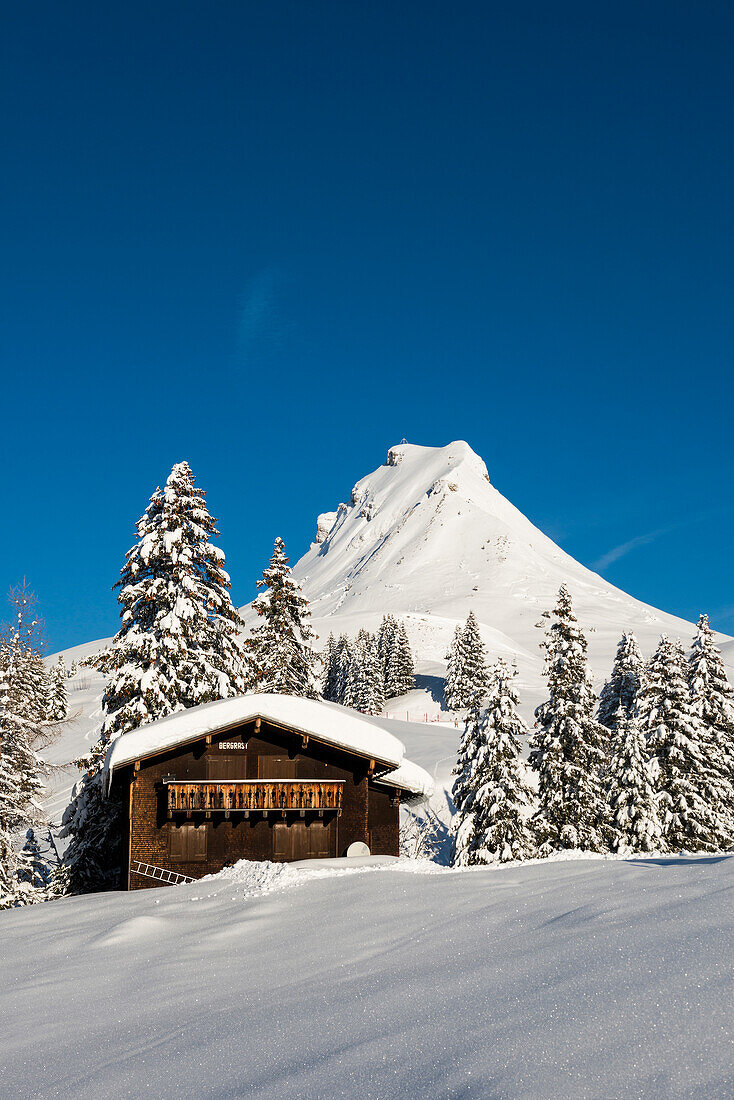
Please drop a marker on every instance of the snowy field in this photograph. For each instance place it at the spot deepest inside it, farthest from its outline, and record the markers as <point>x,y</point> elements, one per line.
<point>584,979</point>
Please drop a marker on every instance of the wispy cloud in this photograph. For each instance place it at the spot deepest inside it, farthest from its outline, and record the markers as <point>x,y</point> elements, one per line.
<point>618,552</point>
<point>645,539</point>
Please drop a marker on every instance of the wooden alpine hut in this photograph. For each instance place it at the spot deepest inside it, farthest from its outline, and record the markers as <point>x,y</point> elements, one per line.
<point>257,777</point>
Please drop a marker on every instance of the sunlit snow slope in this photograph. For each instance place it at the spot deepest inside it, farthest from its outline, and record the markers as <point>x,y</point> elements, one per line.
<point>428,537</point>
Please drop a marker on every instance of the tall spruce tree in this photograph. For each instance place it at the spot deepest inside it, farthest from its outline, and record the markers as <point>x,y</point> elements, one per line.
<point>386,640</point>
<point>453,693</point>
<point>343,662</point>
<point>673,736</point>
<point>401,668</point>
<point>566,744</point>
<point>330,663</point>
<point>499,830</point>
<point>621,688</point>
<point>466,674</point>
<point>20,766</point>
<point>281,644</point>
<point>463,791</point>
<point>635,824</point>
<point>712,704</point>
<point>38,686</point>
<point>373,682</point>
<point>177,647</point>
<point>475,661</point>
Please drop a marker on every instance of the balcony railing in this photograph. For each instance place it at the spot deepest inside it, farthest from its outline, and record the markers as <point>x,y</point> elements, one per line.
<point>255,794</point>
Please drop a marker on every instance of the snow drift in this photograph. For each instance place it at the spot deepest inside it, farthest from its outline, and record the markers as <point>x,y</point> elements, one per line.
<point>579,979</point>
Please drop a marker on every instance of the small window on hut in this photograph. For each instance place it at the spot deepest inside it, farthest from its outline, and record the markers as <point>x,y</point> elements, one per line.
<point>187,843</point>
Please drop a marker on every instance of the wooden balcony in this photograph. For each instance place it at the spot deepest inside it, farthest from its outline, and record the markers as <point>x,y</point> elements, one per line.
<point>255,795</point>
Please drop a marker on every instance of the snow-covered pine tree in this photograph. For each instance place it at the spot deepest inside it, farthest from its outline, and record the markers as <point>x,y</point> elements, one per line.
<point>374,698</point>
<point>365,684</point>
<point>59,707</point>
<point>38,687</point>
<point>621,688</point>
<point>466,674</point>
<point>566,743</point>
<point>463,792</point>
<point>20,766</point>
<point>635,824</point>
<point>284,660</point>
<point>386,637</point>
<point>73,669</point>
<point>501,798</point>
<point>400,670</point>
<point>330,664</point>
<point>343,666</point>
<point>475,661</point>
<point>673,737</point>
<point>712,703</point>
<point>177,647</point>
<point>453,693</point>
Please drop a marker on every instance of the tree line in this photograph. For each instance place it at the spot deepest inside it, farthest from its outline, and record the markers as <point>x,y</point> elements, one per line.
<point>369,669</point>
<point>648,767</point>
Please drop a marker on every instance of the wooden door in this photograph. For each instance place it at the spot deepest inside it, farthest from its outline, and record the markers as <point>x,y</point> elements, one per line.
<point>319,840</point>
<point>187,843</point>
<point>298,840</point>
<point>282,843</point>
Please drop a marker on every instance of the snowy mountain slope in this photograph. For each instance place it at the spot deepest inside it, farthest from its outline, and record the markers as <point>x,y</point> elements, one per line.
<point>576,979</point>
<point>428,537</point>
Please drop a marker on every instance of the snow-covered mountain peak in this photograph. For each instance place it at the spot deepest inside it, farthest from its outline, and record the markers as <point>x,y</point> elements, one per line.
<point>428,537</point>
<point>426,525</point>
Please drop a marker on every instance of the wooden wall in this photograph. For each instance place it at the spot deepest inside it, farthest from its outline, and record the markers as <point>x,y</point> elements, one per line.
<point>368,813</point>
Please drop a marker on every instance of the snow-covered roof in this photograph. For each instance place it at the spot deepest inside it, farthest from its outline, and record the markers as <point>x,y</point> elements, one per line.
<point>325,722</point>
<point>409,777</point>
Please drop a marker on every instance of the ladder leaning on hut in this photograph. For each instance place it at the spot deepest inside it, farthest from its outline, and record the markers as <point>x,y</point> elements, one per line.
<point>160,874</point>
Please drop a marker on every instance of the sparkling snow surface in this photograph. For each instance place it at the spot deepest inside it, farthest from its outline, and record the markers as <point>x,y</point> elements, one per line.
<point>324,721</point>
<point>584,979</point>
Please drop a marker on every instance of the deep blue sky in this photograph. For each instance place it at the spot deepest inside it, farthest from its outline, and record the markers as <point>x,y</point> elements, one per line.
<point>273,239</point>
